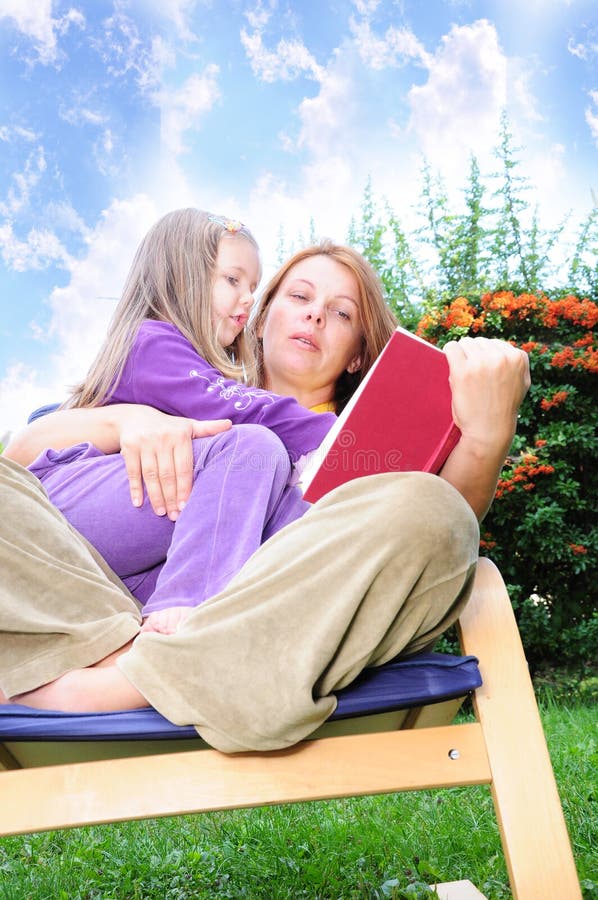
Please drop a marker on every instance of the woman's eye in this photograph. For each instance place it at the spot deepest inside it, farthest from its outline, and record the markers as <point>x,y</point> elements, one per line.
<point>343,315</point>
<point>296,296</point>
<point>232,280</point>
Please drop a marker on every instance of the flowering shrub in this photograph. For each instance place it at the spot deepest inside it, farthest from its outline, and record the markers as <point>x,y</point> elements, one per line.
<point>541,530</point>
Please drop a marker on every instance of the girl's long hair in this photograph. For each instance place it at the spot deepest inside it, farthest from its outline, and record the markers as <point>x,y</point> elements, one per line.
<point>171,280</point>
<point>377,320</point>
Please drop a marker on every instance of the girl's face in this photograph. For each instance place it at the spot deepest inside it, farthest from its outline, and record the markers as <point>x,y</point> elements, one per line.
<point>313,331</point>
<point>236,277</point>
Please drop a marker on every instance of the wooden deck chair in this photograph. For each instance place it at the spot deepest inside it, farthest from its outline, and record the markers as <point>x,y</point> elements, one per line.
<point>504,748</point>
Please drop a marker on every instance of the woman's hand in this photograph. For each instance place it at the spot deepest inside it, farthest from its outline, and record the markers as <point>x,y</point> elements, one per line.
<point>158,453</point>
<point>489,380</point>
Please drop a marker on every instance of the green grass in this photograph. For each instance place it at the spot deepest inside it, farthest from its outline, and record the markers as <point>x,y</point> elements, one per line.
<point>367,847</point>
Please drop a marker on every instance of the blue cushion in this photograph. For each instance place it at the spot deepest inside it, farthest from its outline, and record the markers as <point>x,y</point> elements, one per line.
<point>426,678</point>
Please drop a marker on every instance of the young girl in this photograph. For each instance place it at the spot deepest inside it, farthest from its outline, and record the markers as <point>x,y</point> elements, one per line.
<point>177,342</point>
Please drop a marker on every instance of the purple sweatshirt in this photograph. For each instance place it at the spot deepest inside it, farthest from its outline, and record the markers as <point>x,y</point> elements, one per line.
<point>165,371</point>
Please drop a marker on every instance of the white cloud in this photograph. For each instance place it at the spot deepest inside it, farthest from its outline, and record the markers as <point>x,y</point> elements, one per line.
<point>175,12</point>
<point>8,133</point>
<point>290,59</point>
<point>81,114</point>
<point>19,192</point>
<point>21,391</point>
<point>398,46</point>
<point>35,21</point>
<point>457,110</point>
<point>329,117</point>
<point>123,50</point>
<point>584,50</point>
<point>591,115</point>
<point>259,16</point>
<point>41,248</point>
<point>579,50</point>
<point>366,7</point>
<point>183,108</point>
<point>81,310</point>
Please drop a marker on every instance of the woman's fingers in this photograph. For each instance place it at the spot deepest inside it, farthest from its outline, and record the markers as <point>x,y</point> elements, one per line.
<point>158,453</point>
<point>489,379</point>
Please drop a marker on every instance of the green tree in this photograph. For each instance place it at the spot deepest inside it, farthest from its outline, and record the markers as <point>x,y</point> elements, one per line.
<point>583,270</point>
<point>385,245</point>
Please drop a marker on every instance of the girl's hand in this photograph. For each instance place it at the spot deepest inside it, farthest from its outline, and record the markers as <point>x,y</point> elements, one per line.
<point>158,453</point>
<point>489,379</point>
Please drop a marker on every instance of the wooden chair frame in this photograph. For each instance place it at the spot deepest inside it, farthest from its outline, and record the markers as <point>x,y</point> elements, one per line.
<point>504,748</point>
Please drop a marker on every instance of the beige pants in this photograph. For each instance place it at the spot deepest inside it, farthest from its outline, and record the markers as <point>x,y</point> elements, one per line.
<point>381,566</point>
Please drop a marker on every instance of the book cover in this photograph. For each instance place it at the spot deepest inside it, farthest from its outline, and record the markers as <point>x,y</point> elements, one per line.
<point>398,420</point>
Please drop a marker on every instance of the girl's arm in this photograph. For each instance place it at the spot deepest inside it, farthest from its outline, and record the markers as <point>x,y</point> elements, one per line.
<point>489,379</point>
<point>156,447</point>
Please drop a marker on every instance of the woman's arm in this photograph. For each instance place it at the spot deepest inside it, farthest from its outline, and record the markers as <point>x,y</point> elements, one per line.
<point>65,428</point>
<point>489,379</point>
<point>156,447</point>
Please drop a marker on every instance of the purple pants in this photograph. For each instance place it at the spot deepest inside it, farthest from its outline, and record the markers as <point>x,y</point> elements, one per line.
<point>240,497</point>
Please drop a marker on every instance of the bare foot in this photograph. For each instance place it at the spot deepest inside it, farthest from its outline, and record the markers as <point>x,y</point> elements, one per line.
<point>98,689</point>
<point>166,621</point>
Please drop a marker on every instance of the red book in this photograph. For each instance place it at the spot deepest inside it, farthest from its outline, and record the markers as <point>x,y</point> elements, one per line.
<point>398,420</point>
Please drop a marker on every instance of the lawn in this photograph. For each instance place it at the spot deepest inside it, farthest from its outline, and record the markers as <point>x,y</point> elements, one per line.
<point>368,847</point>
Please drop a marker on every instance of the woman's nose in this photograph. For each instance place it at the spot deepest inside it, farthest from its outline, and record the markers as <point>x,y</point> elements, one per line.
<point>314,315</point>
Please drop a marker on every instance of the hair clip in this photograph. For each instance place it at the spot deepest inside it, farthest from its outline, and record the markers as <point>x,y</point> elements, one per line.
<point>231,225</point>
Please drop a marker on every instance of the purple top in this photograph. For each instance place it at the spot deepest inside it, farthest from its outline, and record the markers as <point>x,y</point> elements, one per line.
<point>165,371</point>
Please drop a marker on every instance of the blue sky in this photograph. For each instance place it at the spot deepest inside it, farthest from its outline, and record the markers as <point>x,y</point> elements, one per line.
<point>115,111</point>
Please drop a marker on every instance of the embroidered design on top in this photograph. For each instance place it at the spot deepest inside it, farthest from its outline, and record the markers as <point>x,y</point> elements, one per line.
<point>229,390</point>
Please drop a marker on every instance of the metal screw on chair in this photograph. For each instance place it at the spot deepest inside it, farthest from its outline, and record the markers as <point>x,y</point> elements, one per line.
<point>454,754</point>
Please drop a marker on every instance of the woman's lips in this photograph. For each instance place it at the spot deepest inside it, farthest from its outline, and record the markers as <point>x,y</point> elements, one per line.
<point>305,340</point>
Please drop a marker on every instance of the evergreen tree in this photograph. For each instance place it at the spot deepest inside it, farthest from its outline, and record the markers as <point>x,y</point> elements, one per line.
<point>469,251</point>
<point>583,271</point>
<point>507,249</point>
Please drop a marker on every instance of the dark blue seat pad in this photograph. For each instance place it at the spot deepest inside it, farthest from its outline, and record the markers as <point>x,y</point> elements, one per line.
<point>423,679</point>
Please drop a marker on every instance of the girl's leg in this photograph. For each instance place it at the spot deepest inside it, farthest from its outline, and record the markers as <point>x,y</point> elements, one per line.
<point>240,492</point>
<point>60,605</point>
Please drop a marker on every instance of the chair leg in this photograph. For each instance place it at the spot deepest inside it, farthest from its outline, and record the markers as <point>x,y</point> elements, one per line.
<point>532,826</point>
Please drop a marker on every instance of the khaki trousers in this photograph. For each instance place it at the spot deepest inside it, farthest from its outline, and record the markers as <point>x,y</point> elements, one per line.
<point>381,566</point>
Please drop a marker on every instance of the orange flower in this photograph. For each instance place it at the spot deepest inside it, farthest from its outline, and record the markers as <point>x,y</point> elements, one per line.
<point>520,307</point>
<point>428,320</point>
<point>459,314</point>
<point>541,443</point>
<point>578,549</point>
<point>556,400</point>
<point>585,341</point>
<point>580,312</point>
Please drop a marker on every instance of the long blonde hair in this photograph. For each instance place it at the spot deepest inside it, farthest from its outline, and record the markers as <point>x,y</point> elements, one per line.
<point>377,320</point>
<point>171,280</point>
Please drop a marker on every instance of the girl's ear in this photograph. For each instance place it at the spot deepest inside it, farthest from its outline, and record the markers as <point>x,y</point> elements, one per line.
<point>354,365</point>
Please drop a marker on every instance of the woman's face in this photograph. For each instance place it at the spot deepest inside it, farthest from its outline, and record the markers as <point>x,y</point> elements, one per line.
<point>312,331</point>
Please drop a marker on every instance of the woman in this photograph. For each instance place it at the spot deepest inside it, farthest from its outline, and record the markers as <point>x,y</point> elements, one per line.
<point>255,666</point>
